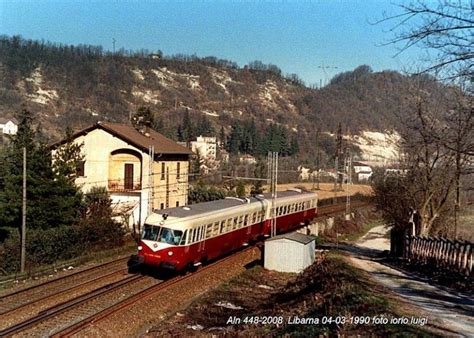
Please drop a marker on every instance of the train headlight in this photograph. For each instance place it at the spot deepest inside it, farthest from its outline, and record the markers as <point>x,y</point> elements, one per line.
<point>170,253</point>
<point>140,248</point>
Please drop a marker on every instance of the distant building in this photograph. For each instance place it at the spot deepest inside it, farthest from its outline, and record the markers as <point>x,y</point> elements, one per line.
<point>291,252</point>
<point>224,155</point>
<point>206,147</point>
<point>8,126</point>
<point>362,170</point>
<point>118,157</point>
<point>395,172</point>
<point>247,159</point>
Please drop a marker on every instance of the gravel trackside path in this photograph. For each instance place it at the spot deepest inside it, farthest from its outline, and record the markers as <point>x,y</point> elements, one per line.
<point>448,311</point>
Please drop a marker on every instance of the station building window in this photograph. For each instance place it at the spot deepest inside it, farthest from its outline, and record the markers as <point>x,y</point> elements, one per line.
<point>80,169</point>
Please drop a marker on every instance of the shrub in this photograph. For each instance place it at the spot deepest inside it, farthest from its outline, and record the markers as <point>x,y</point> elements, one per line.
<point>96,230</point>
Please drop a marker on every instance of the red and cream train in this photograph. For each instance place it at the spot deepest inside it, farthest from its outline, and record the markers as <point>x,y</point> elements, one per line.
<point>183,237</point>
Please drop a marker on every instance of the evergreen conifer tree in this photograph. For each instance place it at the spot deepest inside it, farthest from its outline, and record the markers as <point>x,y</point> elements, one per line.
<point>52,200</point>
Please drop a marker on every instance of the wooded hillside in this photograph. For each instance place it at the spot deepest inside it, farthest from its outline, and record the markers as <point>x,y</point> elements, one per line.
<point>78,85</point>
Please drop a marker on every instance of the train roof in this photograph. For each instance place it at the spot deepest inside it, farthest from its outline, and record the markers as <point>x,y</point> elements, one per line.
<point>201,208</point>
<point>229,202</point>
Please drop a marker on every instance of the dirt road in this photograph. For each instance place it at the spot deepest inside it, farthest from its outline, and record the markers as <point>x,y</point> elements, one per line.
<point>451,312</point>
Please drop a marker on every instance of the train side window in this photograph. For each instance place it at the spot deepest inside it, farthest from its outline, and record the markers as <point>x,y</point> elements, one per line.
<point>287,208</point>
<point>191,236</point>
<point>246,219</point>
<point>222,228</point>
<point>254,218</point>
<point>183,239</point>
<point>208,230</point>
<point>215,230</point>
<point>234,224</point>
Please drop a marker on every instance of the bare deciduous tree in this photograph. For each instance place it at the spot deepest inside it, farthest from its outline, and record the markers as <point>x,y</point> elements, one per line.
<point>436,142</point>
<point>444,26</point>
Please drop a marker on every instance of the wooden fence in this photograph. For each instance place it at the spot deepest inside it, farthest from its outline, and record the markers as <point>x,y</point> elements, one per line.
<point>441,253</point>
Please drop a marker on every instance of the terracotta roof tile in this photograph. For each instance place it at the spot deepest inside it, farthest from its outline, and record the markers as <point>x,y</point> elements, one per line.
<point>128,133</point>
<point>161,143</point>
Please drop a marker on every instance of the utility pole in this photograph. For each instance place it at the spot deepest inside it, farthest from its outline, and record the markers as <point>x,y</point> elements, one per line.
<point>113,43</point>
<point>317,161</point>
<point>339,155</point>
<point>167,188</point>
<point>323,67</point>
<point>151,185</point>
<point>23,218</point>
<point>272,161</point>
<point>349,183</point>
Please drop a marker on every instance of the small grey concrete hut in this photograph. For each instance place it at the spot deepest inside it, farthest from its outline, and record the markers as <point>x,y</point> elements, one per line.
<point>291,252</point>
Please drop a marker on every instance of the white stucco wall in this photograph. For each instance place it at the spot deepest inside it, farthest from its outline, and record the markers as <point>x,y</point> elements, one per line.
<point>286,255</point>
<point>97,146</point>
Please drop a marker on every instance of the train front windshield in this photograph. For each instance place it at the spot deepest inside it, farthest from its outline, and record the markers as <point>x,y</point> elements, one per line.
<point>161,234</point>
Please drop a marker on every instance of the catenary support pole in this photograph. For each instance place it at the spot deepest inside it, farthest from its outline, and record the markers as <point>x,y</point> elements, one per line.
<point>23,217</point>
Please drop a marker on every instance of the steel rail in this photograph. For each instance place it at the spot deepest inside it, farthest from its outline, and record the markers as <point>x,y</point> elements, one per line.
<point>73,287</point>
<point>67,305</point>
<point>129,301</point>
<point>126,303</point>
<point>96,267</point>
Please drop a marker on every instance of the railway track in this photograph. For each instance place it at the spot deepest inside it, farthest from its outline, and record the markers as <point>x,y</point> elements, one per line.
<point>26,310</point>
<point>55,318</point>
<point>126,303</point>
<point>333,208</point>
<point>72,316</point>
<point>33,294</point>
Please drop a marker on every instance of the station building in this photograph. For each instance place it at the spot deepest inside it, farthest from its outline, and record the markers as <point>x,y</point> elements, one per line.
<point>142,170</point>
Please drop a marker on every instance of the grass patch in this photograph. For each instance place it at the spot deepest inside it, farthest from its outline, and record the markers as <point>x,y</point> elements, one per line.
<point>329,288</point>
<point>334,288</point>
<point>365,228</point>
